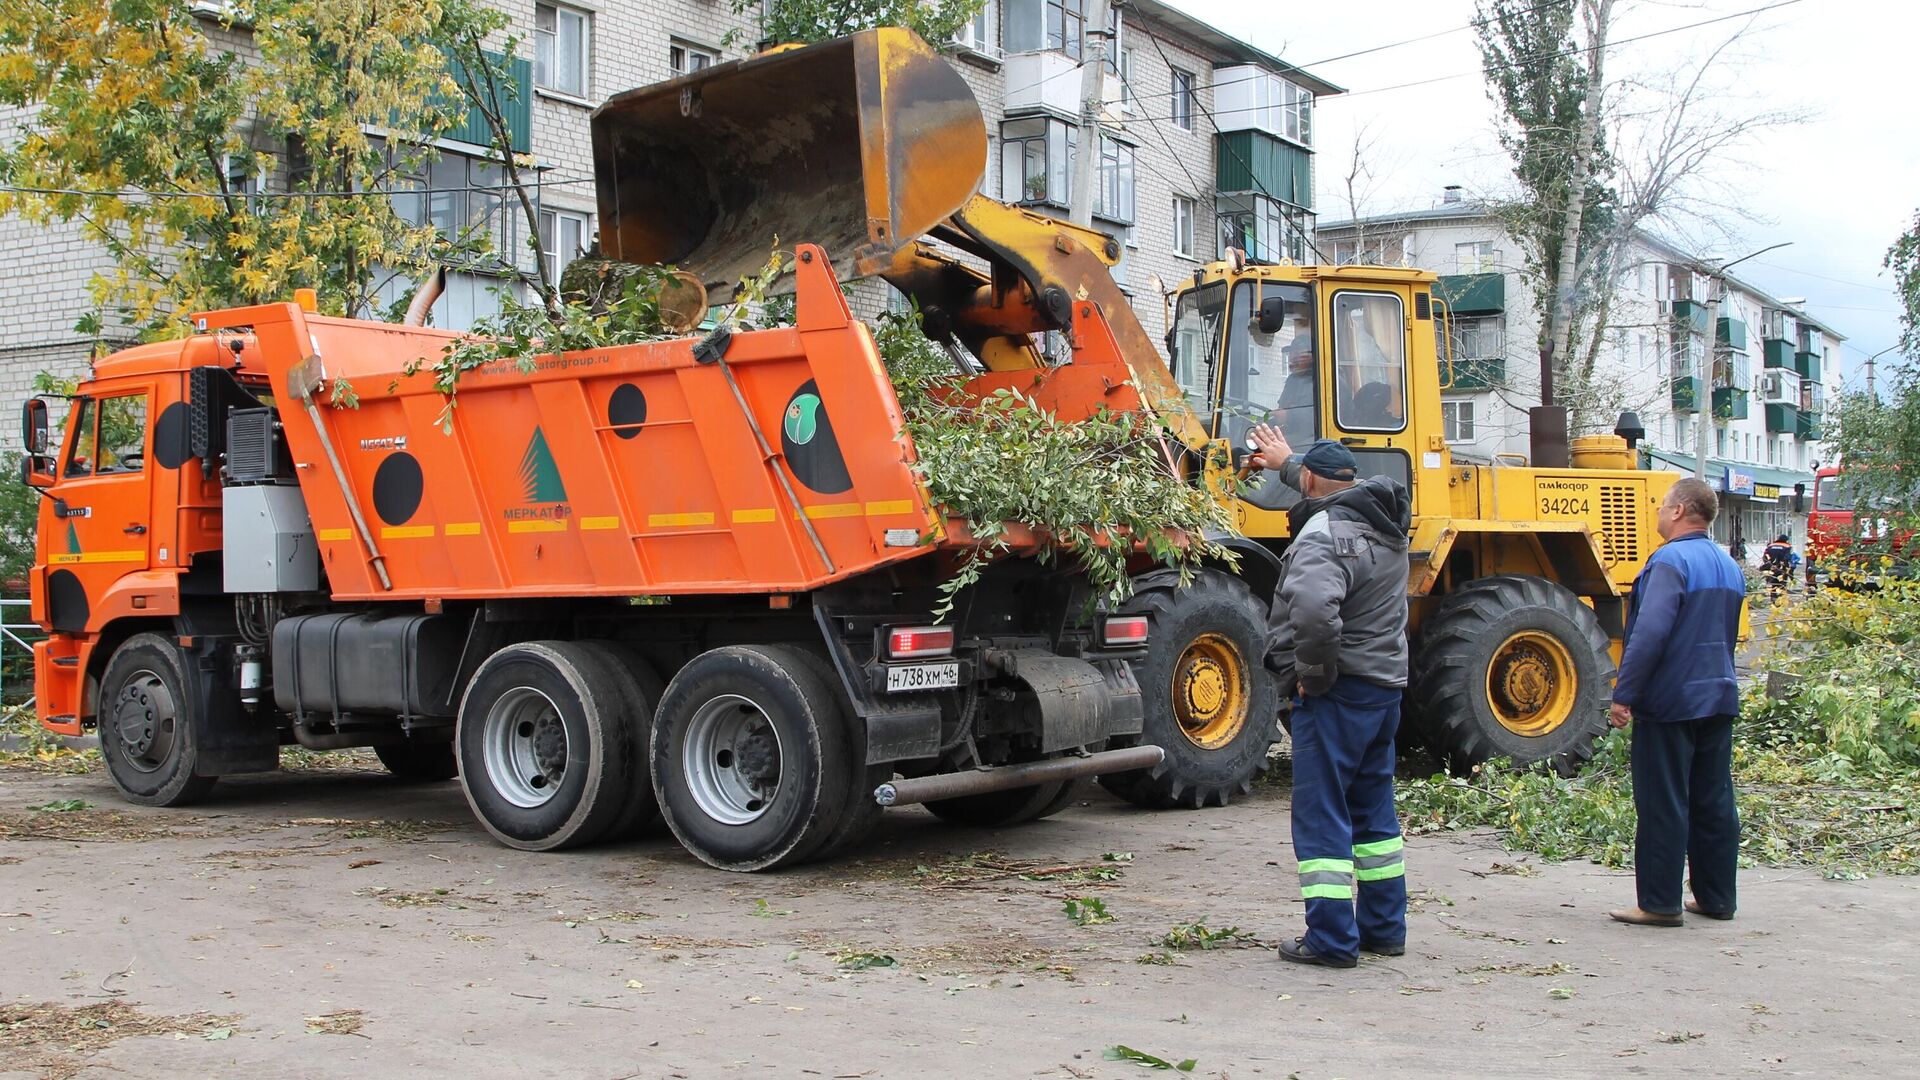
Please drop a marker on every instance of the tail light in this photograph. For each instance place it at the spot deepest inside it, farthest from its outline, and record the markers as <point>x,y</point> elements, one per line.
<point>1123,630</point>
<point>916,642</point>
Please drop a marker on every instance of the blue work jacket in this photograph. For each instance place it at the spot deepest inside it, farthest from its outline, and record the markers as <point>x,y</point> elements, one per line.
<point>1681,633</point>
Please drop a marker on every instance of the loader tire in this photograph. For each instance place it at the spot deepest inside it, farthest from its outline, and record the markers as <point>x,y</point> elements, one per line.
<point>421,762</point>
<point>1512,666</point>
<point>1003,809</point>
<point>1207,696</point>
<point>149,715</point>
<point>543,755</point>
<point>751,758</point>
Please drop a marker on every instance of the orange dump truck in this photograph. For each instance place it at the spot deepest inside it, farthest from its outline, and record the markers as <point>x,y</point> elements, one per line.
<point>231,563</point>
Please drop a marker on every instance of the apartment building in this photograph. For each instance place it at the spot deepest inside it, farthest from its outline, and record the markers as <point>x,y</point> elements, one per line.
<point>1763,392</point>
<point>1206,141</point>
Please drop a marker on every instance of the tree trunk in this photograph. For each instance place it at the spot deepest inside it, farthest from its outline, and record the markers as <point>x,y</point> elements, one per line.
<point>1599,12</point>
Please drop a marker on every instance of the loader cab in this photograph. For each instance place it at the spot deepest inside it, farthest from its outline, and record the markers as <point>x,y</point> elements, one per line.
<point>1342,353</point>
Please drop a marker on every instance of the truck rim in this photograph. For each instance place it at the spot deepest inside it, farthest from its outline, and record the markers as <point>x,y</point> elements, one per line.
<point>146,721</point>
<point>732,760</point>
<point>1210,689</point>
<point>525,742</point>
<point>1531,683</point>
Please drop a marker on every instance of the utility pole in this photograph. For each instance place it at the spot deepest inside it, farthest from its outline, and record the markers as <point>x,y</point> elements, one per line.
<point>1093,70</point>
<point>1870,394</point>
<point>1703,411</point>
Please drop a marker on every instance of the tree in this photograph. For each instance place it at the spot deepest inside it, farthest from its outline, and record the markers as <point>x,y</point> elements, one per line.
<point>1903,258</point>
<point>154,139</point>
<point>807,21</point>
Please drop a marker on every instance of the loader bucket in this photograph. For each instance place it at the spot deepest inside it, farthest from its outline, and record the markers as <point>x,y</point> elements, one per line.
<point>860,145</point>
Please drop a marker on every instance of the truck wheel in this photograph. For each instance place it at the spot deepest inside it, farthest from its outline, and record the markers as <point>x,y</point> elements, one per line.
<point>751,758</point>
<point>1209,700</point>
<point>862,814</point>
<point>419,761</point>
<point>1516,667</point>
<point>149,723</point>
<point>1000,809</point>
<point>543,754</point>
<point>640,690</point>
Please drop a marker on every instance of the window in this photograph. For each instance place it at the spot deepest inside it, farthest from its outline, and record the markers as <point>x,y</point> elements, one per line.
<point>1720,441</point>
<point>1369,348</point>
<point>1458,418</point>
<point>1266,229</point>
<point>560,49</point>
<point>1129,101</point>
<point>1477,257</point>
<point>1380,251</point>
<point>1298,103</point>
<point>1183,98</point>
<point>1033,160</point>
<point>1113,196</point>
<point>464,198</point>
<point>686,59</point>
<point>977,33</point>
<point>1183,226</point>
<point>1196,340</point>
<point>1066,26</point>
<point>1123,270</point>
<point>242,179</point>
<point>1271,377</point>
<point>563,237</point>
<point>1482,337</point>
<point>116,444</point>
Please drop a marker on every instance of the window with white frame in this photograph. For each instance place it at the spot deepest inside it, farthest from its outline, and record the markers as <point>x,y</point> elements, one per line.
<point>1378,251</point>
<point>1474,257</point>
<point>242,177</point>
<point>1458,419</point>
<point>560,49</point>
<point>1183,98</point>
<point>685,59</point>
<point>1183,226</point>
<point>1299,113</point>
<point>1129,100</point>
<point>1034,152</point>
<point>564,235</point>
<point>976,33</point>
<point>1113,196</point>
<point>1479,337</point>
<point>463,198</point>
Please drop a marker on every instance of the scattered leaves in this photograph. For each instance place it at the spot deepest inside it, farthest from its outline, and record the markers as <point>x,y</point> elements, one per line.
<point>342,1022</point>
<point>1198,935</point>
<point>1087,910</point>
<point>1145,1060</point>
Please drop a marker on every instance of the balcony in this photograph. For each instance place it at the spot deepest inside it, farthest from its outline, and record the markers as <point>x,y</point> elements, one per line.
<point>1691,315</point>
<point>1808,426</point>
<point>1254,161</point>
<point>1474,375</point>
<point>1729,403</point>
<point>1779,353</point>
<point>1808,365</point>
<point>1050,82</point>
<point>1782,418</point>
<point>1686,393</point>
<point>1473,294</point>
<point>517,109</point>
<point>1733,334</point>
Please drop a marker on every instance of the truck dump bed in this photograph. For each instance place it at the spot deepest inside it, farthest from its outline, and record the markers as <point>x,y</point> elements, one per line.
<point>625,471</point>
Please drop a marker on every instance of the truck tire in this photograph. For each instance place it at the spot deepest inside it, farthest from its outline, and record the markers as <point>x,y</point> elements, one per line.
<point>751,758</point>
<point>862,813</point>
<point>149,723</point>
<point>1209,700</point>
<point>640,690</point>
<point>1002,809</point>
<point>543,753</point>
<point>425,762</point>
<point>1512,666</point>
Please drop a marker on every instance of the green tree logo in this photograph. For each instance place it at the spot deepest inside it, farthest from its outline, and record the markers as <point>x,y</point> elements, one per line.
<point>803,418</point>
<point>539,475</point>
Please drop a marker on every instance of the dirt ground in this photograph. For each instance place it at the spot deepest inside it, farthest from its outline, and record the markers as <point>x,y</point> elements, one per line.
<point>338,923</point>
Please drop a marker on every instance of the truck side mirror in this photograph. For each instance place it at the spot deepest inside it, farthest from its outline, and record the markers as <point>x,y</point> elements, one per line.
<point>1173,352</point>
<point>1273,314</point>
<point>36,468</point>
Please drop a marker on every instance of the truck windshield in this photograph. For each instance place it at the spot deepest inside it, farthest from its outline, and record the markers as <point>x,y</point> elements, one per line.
<point>1832,495</point>
<point>1196,340</point>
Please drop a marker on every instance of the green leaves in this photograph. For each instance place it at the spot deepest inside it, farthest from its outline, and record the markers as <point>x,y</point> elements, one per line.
<point>805,21</point>
<point>1198,935</point>
<point>1087,910</point>
<point>1146,1060</point>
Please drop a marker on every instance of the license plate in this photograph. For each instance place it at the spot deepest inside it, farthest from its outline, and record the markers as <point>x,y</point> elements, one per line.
<point>905,677</point>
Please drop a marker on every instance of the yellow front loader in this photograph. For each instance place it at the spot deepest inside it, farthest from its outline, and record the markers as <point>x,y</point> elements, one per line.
<point>873,147</point>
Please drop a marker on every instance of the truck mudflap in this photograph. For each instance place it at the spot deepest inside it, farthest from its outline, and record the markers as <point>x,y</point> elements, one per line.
<point>1080,702</point>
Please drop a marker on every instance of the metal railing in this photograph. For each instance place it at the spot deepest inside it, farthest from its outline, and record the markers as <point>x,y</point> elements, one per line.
<point>10,639</point>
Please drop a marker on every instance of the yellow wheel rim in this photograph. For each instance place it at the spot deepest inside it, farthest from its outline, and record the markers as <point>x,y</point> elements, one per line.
<point>1211,685</point>
<point>1531,683</point>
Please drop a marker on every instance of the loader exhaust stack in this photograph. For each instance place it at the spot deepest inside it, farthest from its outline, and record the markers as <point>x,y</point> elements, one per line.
<point>860,145</point>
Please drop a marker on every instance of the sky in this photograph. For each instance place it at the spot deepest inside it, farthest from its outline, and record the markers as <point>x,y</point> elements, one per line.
<point>1840,186</point>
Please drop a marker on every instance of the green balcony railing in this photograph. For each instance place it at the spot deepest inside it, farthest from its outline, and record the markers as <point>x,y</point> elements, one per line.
<point>1808,364</point>
<point>1808,426</point>
<point>1473,294</point>
<point>1686,394</point>
<point>1779,353</point>
<point>1729,403</point>
<point>1733,334</point>
<point>1782,418</point>
<point>1485,374</point>
<point>1690,314</point>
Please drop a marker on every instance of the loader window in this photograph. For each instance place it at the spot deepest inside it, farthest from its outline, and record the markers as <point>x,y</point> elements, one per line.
<point>1370,350</point>
<point>1271,378</point>
<point>1196,341</point>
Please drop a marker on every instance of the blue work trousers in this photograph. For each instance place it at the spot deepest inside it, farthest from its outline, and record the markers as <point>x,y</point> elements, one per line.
<point>1683,793</point>
<point>1346,835</point>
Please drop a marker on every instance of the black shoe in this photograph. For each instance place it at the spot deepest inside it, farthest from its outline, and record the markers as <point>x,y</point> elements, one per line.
<point>1398,948</point>
<point>1694,907</point>
<point>1300,952</point>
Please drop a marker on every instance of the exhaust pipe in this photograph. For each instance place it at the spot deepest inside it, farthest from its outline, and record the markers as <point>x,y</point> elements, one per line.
<point>922,789</point>
<point>429,290</point>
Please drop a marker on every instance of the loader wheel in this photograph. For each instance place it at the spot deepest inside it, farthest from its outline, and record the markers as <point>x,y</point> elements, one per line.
<point>149,724</point>
<point>543,753</point>
<point>1515,667</point>
<point>1208,698</point>
<point>751,758</point>
<point>1001,809</point>
<point>639,695</point>
<point>425,762</point>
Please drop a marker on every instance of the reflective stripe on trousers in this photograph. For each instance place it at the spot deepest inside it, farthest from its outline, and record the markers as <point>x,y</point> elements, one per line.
<point>1327,879</point>
<point>1379,860</point>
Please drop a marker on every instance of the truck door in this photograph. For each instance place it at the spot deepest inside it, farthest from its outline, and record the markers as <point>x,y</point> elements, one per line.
<point>102,504</point>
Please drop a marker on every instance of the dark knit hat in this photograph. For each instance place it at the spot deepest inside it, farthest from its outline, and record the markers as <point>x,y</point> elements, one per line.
<point>1329,459</point>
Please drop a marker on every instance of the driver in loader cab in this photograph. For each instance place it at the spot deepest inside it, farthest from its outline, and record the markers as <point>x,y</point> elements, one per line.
<point>1338,646</point>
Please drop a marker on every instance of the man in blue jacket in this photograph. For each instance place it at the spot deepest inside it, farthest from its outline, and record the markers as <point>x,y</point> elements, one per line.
<point>1677,680</point>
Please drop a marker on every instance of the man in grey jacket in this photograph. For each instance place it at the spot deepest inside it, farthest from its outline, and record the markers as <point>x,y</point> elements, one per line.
<point>1338,641</point>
